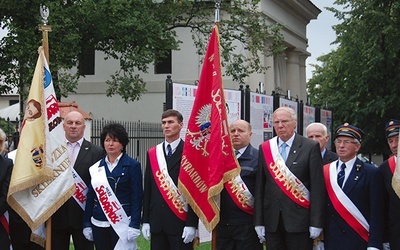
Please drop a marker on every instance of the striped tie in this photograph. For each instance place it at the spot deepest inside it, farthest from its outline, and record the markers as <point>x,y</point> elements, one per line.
<point>169,150</point>
<point>340,176</point>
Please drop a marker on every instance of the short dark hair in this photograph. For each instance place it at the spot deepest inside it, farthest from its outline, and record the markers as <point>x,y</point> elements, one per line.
<point>115,130</point>
<point>172,112</point>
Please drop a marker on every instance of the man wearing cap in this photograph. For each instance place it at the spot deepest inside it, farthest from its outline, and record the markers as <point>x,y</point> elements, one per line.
<point>355,196</point>
<point>318,132</point>
<point>388,168</point>
<point>290,195</point>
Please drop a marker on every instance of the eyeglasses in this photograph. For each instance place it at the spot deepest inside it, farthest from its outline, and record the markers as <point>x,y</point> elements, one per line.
<point>345,142</point>
<point>284,122</point>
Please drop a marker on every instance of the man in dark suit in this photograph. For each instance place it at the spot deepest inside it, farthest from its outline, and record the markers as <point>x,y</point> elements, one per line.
<point>6,166</point>
<point>67,221</point>
<point>172,227</point>
<point>392,198</point>
<point>355,189</point>
<point>290,191</point>
<point>318,132</point>
<point>235,230</point>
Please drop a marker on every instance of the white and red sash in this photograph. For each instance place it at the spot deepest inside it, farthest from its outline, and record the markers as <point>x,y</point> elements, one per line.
<point>111,206</point>
<point>392,163</point>
<point>342,204</point>
<point>283,177</point>
<point>81,188</point>
<point>169,191</point>
<point>240,194</point>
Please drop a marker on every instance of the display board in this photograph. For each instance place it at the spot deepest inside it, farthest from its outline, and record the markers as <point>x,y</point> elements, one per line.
<point>327,120</point>
<point>261,109</point>
<point>308,117</point>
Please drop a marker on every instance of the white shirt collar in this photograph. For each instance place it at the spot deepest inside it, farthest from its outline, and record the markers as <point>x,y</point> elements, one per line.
<point>173,144</point>
<point>80,141</point>
<point>288,142</point>
<point>110,165</point>
<point>241,151</point>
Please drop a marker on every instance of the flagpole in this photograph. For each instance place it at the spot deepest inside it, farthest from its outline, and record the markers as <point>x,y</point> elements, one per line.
<point>216,20</point>
<point>44,12</point>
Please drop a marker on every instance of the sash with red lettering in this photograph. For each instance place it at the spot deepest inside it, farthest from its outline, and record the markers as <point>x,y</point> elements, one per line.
<point>169,191</point>
<point>111,206</point>
<point>342,204</point>
<point>283,177</point>
<point>240,194</point>
<point>81,188</point>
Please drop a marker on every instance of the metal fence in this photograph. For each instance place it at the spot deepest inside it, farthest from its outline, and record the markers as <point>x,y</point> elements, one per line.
<point>142,136</point>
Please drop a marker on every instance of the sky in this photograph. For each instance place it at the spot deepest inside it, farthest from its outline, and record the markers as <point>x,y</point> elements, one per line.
<point>319,32</point>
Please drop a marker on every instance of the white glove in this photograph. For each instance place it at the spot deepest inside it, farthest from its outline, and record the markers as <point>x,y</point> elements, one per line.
<point>315,232</point>
<point>260,230</point>
<point>386,246</point>
<point>146,231</point>
<point>372,248</point>
<point>188,234</point>
<point>133,233</point>
<point>87,232</point>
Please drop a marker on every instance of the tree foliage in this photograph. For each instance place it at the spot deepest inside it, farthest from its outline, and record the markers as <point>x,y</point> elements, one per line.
<point>360,79</point>
<point>135,33</point>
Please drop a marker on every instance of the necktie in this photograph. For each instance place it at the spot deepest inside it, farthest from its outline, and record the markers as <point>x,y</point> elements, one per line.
<point>169,150</point>
<point>71,152</point>
<point>340,176</point>
<point>283,151</point>
<point>237,152</point>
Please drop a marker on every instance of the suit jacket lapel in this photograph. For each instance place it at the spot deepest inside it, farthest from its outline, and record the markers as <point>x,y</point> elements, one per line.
<point>355,175</point>
<point>82,153</point>
<point>294,151</point>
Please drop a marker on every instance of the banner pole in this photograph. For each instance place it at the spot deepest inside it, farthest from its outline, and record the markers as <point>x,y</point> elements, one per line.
<point>44,12</point>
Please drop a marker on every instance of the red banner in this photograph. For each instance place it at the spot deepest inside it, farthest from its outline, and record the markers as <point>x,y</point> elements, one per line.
<point>208,160</point>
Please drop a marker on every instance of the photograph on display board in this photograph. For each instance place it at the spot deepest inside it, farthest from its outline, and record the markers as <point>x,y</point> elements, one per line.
<point>183,96</point>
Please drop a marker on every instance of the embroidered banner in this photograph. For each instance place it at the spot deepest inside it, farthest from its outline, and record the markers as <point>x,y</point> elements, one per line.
<point>208,160</point>
<point>41,180</point>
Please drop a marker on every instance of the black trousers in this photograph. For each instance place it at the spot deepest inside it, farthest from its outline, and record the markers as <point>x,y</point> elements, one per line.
<point>60,239</point>
<point>283,240</point>
<point>163,241</point>
<point>237,237</point>
<point>105,238</point>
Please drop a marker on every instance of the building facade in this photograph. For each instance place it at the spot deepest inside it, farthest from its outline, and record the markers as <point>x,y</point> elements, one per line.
<point>286,72</point>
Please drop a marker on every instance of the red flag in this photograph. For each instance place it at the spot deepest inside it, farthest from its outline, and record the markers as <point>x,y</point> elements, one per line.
<point>208,160</point>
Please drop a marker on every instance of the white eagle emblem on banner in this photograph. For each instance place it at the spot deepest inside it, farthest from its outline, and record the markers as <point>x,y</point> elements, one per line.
<point>200,138</point>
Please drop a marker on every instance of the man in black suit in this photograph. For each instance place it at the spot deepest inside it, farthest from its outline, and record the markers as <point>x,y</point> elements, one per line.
<point>6,166</point>
<point>355,207</point>
<point>290,191</point>
<point>388,167</point>
<point>67,221</point>
<point>318,132</point>
<point>235,230</point>
<point>172,227</point>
